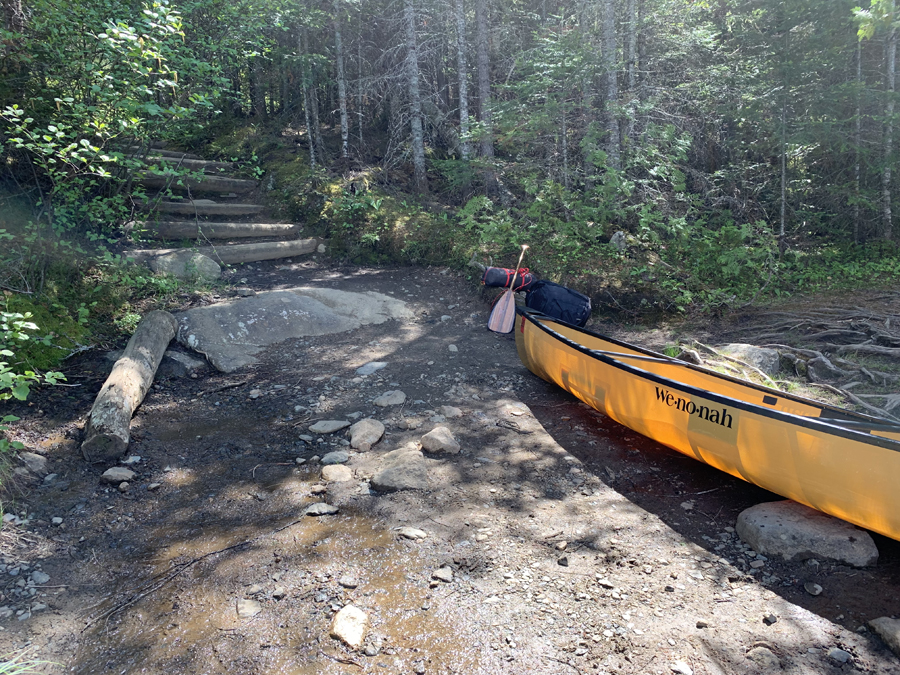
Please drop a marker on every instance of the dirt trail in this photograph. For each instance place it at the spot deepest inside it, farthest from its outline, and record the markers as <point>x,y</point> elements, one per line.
<point>575,545</point>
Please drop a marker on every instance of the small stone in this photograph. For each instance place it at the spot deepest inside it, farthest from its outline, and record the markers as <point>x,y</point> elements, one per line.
<point>337,473</point>
<point>371,650</point>
<point>321,509</point>
<point>350,625</point>
<point>450,412</point>
<point>50,477</point>
<point>681,668</point>
<point>348,582</point>
<point>812,589</point>
<point>24,616</point>
<point>123,486</point>
<point>247,608</point>
<point>445,317</point>
<point>132,459</point>
<point>839,655</point>
<point>563,562</point>
<point>254,589</point>
<point>390,398</point>
<point>318,489</point>
<point>561,545</point>
<point>366,433</point>
<point>453,348</point>
<point>336,457</point>
<point>371,367</point>
<point>117,474</point>
<point>702,624</point>
<point>440,439</point>
<point>756,564</point>
<point>402,469</point>
<point>279,593</point>
<point>36,463</point>
<point>154,486</point>
<point>56,520</point>
<point>412,533</point>
<point>888,630</point>
<point>40,577</point>
<point>255,393</point>
<point>769,619</point>
<point>444,574</point>
<point>329,426</point>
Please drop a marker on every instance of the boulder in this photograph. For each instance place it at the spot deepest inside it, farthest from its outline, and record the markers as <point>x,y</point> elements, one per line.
<point>389,398</point>
<point>796,532</point>
<point>36,463</point>
<point>402,469</point>
<point>337,473</point>
<point>767,360</point>
<point>117,474</point>
<point>186,264</point>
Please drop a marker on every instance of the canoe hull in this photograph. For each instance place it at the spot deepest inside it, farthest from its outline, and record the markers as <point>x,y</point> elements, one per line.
<point>848,474</point>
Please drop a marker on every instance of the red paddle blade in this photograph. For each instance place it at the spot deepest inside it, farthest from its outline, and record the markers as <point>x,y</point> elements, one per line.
<point>503,316</point>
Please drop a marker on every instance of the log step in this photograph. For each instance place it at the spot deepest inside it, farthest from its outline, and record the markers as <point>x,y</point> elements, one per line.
<point>191,164</point>
<point>189,229</point>
<point>203,207</point>
<point>205,184</point>
<point>239,253</point>
<point>135,150</point>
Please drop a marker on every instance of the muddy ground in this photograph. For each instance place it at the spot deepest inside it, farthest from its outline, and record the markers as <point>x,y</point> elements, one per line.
<point>576,546</point>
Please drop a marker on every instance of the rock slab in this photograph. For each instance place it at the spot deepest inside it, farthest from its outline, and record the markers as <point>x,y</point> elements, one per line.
<point>366,433</point>
<point>117,474</point>
<point>440,439</point>
<point>797,532</point>
<point>350,626</point>
<point>402,469</point>
<point>233,332</point>
<point>247,608</point>
<point>329,426</point>
<point>390,398</point>
<point>337,473</point>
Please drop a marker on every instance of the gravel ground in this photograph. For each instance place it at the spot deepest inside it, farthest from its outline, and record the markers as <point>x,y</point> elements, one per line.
<point>555,541</point>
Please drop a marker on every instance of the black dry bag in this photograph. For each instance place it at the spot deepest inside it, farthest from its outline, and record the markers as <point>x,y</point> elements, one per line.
<point>559,302</point>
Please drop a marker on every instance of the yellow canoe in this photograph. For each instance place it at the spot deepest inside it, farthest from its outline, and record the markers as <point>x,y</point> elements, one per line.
<point>840,462</point>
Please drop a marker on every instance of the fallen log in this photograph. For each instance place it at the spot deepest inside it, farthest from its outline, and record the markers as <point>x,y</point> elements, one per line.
<point>203,184</point>
<point>201,207</point>
<point>108,429</point>
<point>191,229</point>
<point>238,253</point>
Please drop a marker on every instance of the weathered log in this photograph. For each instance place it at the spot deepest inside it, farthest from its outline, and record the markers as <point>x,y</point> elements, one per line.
<point>202,184</point>
<point>190,164</point>
<point>191,229</point>
<point>108,428</point>
<point>238,253</point>
<point>202,207</point>
<point>175,154</point>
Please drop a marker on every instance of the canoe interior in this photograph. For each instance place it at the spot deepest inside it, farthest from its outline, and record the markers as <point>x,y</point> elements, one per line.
<point>833,460</point>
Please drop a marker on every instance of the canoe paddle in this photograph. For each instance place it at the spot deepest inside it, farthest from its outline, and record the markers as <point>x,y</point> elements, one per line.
<point>503,316</point>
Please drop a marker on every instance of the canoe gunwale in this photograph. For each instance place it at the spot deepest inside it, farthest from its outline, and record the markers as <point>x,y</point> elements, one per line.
<point>832,426</point>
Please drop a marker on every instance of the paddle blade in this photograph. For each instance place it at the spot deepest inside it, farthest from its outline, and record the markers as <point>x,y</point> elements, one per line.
<point>503,316</point>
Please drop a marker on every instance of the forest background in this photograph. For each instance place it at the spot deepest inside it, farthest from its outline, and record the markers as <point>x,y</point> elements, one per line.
<point>658,155</point>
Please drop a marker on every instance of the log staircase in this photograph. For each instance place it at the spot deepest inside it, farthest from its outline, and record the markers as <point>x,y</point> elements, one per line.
<point>211,208</point>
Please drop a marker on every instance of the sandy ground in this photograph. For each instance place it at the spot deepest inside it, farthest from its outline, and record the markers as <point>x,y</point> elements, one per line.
<point>575,545</point>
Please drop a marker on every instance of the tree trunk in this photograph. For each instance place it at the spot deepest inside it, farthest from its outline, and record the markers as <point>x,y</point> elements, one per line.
<point>415,100</point>
<point>857,142</point>
<point>14,16</point>
<point>108,429</point>
<point>484,78</point>
<point>462,71</point>
<point>257,89</point>
<point>612,84</point>
<point>342,87</point>
<point>783,218</point>
<point>631,46</point>
<point>313,94</point>
<point>890,87</point>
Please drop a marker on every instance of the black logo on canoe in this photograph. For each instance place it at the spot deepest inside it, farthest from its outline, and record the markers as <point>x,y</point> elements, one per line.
<point>721,417</point>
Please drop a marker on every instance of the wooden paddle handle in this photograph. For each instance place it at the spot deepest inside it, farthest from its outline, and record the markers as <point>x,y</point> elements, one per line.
<point>512,283</point>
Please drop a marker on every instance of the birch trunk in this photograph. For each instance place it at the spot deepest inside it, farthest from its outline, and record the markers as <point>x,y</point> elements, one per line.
<point>342,87</point>
<point>612,84</point>
<point>484,78</point>
<point>890,87</point>
<point>415,100</point>
<point>14,15</point>
<point>462,71</point>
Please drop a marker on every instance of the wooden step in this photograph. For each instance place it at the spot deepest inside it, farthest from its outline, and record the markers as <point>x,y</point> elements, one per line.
<point>202,207</point>
<point>205,184</point>
<point>189,229</point>
<point>136,150</point>
<point>238,253</point>
<point>191,164</point>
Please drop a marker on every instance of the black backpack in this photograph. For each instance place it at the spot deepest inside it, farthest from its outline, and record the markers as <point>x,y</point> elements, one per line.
<point>559,302</point>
